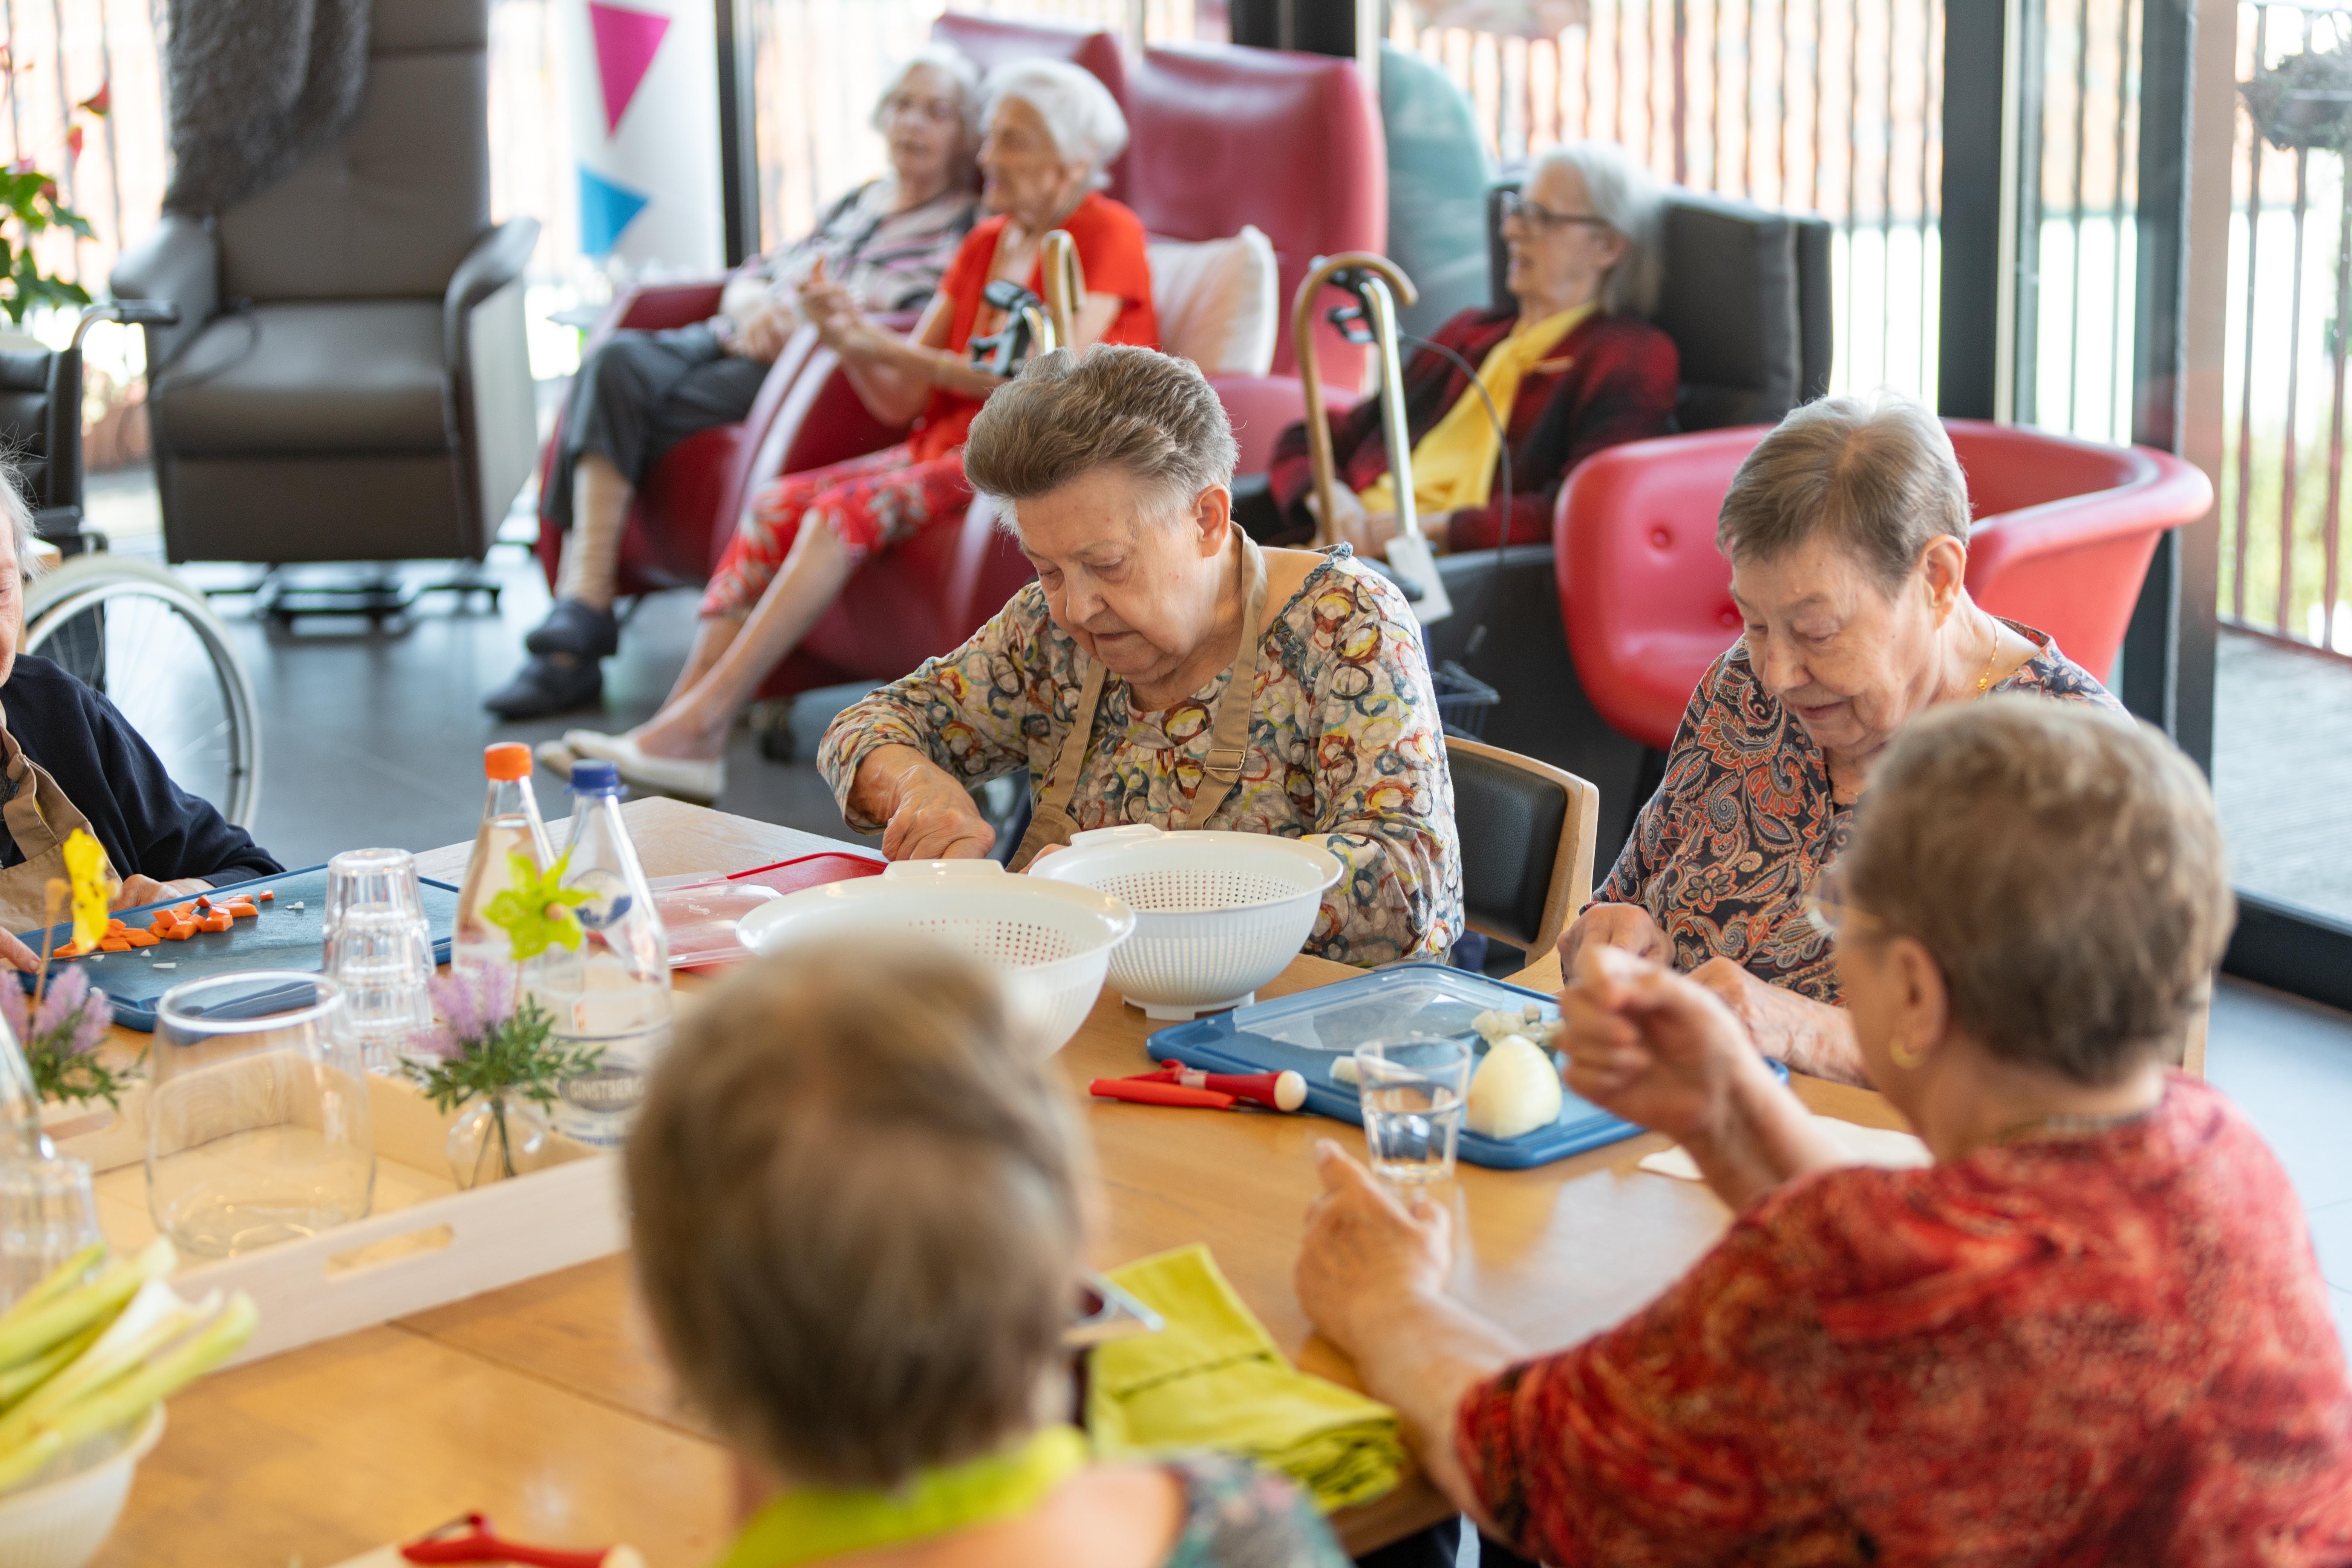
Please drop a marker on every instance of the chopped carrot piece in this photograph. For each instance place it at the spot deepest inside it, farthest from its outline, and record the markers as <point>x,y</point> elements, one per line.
<point>215,923</point>
<point>115,925</point>
<point>71,950</point>
<point>184,911</point>
<point>143,939</point>
<point>180,933</point>
<point>267,894</point>
<point>114,944</point>
<point>239,910</point>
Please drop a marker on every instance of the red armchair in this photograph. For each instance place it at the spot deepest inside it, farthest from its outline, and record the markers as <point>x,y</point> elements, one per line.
<point>2064,532</point>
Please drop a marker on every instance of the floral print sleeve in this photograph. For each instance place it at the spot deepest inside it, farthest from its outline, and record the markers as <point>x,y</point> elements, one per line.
<point>1238,1516</point>
<point>1345,746</point>
<point>1725,853</point>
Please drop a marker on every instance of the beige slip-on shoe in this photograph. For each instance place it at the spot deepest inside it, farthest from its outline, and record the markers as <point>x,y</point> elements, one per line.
<point>688,780</point>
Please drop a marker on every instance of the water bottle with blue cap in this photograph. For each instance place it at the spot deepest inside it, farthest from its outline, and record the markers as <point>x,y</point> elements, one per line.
<point>613,993</point>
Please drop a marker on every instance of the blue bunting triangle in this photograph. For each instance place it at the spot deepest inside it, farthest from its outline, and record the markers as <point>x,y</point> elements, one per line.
<point>605,209</point>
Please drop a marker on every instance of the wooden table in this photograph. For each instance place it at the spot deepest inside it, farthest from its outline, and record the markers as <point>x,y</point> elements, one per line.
<point>545,1405</point>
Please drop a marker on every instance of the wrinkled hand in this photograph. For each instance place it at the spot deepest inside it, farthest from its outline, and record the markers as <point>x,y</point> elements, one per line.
<point>1365,1251</point>
<point>136,890</point>
<point>934,819</point>
<point>1625,926</point>
<point>759,330</point>
<point>17,955</point>
<point>1761,1009</point>
<point>1650,1046</point>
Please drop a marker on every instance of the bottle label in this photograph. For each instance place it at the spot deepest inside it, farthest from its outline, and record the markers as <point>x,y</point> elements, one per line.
<point>607,1092</point>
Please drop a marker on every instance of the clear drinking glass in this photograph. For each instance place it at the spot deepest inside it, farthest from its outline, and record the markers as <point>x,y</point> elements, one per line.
<point>379,948</point>
<point>48,1212</point>
<point>257,1124</point>
<point>1414,1090</point>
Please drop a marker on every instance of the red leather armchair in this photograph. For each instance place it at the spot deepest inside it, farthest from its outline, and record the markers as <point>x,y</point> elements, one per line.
<point>2064,532</point>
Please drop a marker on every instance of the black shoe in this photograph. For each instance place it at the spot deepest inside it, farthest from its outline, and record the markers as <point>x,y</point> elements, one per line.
<point>577,628</point>
<point>548,685</point>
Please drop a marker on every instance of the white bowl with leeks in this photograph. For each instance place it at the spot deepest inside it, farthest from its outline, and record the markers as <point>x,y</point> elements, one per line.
<point>86,1357</point>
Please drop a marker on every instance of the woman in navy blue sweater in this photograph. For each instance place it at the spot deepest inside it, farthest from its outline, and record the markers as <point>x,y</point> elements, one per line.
<point>68,760</point>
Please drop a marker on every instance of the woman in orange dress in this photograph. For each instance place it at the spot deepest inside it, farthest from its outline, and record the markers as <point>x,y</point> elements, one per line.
<point>1051,131</point>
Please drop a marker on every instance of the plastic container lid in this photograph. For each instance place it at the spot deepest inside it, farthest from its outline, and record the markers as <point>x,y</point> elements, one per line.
<point>594,776</point>
<point>508,760</point>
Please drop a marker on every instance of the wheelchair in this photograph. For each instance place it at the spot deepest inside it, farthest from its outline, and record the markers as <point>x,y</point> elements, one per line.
<point>129,629</point>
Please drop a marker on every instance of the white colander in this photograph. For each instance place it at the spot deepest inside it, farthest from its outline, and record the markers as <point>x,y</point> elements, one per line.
<point>1050,941</point>
<point>1217,914</point>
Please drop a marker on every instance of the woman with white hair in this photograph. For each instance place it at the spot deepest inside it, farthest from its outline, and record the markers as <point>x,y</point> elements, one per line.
<point>884,245</point>
<point>1052,130</point>
<point>1571,367</point>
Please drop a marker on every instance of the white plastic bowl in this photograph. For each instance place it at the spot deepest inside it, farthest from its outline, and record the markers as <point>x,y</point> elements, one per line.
<point>62,1523</point>
<point>1217,914</point>
<point>1050,941</point>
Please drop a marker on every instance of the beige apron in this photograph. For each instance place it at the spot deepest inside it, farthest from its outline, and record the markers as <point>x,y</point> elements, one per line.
<point>1050,823</point>
<point>40,819</point>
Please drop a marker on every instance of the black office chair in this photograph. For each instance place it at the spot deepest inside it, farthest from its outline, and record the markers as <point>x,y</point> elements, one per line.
<point>1746,297</point>
<point>1527,832</point>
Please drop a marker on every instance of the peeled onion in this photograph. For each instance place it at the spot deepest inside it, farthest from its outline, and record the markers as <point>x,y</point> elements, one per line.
<point>1514,1090</point>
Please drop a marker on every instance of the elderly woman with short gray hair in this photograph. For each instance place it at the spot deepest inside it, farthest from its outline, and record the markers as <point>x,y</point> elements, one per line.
<point>1571,366</point>
<point>1157,636</point>
<point>2092,1331</point>
<point>1052,130</point>
<point>1847,532</point>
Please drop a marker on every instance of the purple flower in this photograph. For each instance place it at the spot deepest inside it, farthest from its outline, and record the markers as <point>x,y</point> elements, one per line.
<point>97,1022</point>
<point>469,1007</point>
<point>63,1001</point>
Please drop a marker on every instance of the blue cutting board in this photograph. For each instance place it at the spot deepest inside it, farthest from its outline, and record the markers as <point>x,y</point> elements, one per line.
<point>280,937</point>
<point>1308,1031</point>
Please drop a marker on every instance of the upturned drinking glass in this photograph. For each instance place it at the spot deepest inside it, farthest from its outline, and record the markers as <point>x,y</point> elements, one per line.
<point>257,1122</point>
<point>379,948</point>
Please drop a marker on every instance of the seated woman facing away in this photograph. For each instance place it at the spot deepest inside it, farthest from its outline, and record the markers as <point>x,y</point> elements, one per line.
<point>859,1236</point>
<point>1051,130</point>
<point>1847,531</point>
<point>72,760</point>
<point>2092,1331</point>
<point>1571,368</point>
<point>883,247</point>
<point>1163,668</point>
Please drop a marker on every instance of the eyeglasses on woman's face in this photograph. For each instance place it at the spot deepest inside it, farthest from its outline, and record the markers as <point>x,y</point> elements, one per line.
<point>1830,909</point>
<point>1535,215</point>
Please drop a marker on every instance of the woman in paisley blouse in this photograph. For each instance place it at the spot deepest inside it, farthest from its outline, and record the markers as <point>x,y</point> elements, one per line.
<point>2092,1330</point>
<point>1150,606</point>
<point>1847,531</point>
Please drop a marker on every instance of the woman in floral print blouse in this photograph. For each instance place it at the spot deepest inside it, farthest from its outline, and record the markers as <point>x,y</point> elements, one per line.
<point>1847,532</point>
<point>1150,606</point>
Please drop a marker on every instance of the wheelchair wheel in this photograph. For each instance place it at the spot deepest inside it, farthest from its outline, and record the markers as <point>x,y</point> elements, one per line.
<point>136,634</point>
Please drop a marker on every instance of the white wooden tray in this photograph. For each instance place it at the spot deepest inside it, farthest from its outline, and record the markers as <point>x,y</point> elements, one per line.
<point>426,1243</point>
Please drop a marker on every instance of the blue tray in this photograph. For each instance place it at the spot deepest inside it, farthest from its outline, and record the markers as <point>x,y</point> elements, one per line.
<point>1311,1030</point>
<point>280,938</point>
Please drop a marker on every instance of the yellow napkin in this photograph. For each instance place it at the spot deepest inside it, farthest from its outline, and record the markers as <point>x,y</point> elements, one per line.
<point>1213,1379</point>
<point>1454,464</point>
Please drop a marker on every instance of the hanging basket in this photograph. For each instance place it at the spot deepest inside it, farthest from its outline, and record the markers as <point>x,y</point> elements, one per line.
<point>2304,102</point>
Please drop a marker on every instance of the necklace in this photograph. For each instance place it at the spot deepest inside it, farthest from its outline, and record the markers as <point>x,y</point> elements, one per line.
<point>1984,681</point>
<point>805,1526</point>
<point>2074,1126</point>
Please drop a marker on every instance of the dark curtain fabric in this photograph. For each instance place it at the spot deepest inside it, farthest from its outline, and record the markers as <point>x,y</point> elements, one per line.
<point>255,87</point>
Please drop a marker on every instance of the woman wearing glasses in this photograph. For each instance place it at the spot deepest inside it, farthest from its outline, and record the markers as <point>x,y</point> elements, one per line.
<point>2092,1330</point>
<point>1571,368</point>
<point>1847,532</point>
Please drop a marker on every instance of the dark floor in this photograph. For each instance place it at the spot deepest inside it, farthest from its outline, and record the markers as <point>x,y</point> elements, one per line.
<point>377,738</point>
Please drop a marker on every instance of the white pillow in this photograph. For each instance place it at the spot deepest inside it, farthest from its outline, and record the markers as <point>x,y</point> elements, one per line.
<point>1218,302</point>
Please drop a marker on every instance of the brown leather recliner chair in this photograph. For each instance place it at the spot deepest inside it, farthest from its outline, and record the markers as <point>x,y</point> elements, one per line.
<point>350,381</point>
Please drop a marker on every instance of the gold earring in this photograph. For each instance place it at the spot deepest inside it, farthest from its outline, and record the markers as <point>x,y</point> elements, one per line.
<point>1899,1051</point>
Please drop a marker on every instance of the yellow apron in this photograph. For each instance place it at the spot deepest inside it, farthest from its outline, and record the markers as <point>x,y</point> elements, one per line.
<point>1050,823</point>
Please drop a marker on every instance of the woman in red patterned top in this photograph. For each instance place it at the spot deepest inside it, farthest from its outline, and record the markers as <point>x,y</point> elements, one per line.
<point>2093,1332</point>
<point>1052,130</point>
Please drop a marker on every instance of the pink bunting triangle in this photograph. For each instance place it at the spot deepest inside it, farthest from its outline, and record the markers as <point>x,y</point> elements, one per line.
<point>626,42</point>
